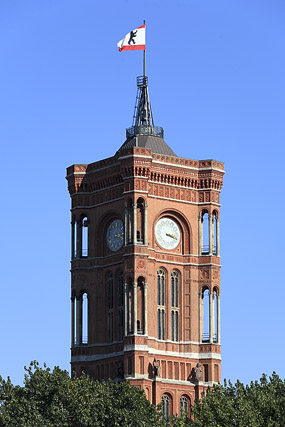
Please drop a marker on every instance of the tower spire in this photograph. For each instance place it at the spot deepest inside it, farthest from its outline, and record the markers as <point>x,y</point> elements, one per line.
<point>143,123</point>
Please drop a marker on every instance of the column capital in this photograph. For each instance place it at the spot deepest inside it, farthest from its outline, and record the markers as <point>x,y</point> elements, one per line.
<point>135,284</point>
<point>146,285</point>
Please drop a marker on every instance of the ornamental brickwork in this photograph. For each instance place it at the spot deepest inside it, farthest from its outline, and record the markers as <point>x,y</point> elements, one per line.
<point>142,310</point>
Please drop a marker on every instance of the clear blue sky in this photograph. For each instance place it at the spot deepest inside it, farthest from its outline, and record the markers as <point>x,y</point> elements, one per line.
<point>216,79</point>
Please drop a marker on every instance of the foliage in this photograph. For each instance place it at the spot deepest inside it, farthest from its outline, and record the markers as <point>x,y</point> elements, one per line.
<point>259,404</point>
<point>53,399</point>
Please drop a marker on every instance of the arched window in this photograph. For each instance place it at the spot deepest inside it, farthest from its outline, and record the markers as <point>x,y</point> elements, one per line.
<point>85,318</point>
<point>214,233</point>
<point>129,217</point>
<point>84,237</point>
<point>120,287</point>
<point>215,302</point>
<point>110,306</point>
<point>140,306</point>
<point>174,305</point>
<point>205,224</point>
<point>184,405</point>
<point>174,289</point>
<point>161,305</point>
<point>140,221</point>
<point>166,405</point>
<point>130,311</point>
<point>206,315</point>
<point>80,319</point>
<point>74,239</point>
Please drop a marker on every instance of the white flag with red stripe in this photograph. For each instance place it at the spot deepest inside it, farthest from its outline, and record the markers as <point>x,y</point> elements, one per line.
<point>135,40</point>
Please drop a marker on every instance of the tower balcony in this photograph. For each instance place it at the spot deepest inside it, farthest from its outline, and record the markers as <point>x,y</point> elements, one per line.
<point>145,130</point>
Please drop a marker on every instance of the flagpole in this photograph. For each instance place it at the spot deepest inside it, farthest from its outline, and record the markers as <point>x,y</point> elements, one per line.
<point>144,57</point>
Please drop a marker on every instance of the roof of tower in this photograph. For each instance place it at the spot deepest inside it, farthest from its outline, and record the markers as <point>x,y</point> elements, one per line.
<point>154,143</point>
<point>143,133</point>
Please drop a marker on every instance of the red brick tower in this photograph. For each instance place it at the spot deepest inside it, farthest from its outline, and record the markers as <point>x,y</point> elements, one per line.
<point>145,268</point>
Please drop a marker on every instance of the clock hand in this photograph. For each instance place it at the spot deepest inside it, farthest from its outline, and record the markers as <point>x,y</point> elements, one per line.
<point>171,235</point>
<point>119,235</point>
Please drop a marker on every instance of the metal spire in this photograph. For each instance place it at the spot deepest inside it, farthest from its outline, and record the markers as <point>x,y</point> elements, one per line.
<point>142,120</point>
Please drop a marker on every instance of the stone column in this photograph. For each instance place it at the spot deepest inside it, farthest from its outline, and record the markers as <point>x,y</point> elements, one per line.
<point>218,320</point>
<point>126,309</point>
<point>135,223</point>
<point>200,235</point>
<point>135,288</point>
<point>210,234</point>
<point>218,235</point>
<point>72,322</point>
<point>126,226</point>
<point>145,310</point>
<point>200,317</point>
<point>145,232</point>
<point>78,321</point>
<point>72,240</point>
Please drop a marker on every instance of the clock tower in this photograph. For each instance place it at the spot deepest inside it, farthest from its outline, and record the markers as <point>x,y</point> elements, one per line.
<point>145,266</point>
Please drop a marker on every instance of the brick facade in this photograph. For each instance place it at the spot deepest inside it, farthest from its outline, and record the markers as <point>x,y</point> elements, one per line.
<point>139,187</point>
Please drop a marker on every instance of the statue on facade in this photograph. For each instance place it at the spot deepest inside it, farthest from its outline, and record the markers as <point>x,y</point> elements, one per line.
<point>120,369</point>
<point>156,368</point>
<point>198,372</point>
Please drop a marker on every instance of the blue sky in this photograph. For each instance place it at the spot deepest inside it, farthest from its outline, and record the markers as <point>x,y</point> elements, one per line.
<point>216,80</point>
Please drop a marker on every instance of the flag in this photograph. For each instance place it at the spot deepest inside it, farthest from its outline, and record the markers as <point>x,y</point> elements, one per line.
<point>135,40</point>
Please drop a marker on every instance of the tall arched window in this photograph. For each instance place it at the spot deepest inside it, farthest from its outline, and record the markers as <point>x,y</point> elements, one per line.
<point>140,306</point>
<point>130,311</point>
<point>166,405</point>
<point>73,239</point>
<point>174,305</point>
<point>129,220</point>
<point>120,287</point>
<point>85,318</point>
<point>184,405</point>
<point>161,305</point>
<point>215,302</point>
<point>205,225</point>
<point>206,315</point>
<point>84,237</point>
<point>140,221</point>
<point>110,306</point>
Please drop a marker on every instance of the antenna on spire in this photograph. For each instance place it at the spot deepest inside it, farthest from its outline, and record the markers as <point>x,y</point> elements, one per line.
<point>143,123</point>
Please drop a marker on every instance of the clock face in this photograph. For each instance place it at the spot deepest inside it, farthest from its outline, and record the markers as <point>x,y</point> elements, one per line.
<point>167,233</point>
<point>115,235</point>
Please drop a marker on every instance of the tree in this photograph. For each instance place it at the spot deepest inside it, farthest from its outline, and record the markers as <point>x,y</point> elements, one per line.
<point>52,399</point>
<point>259,404</point>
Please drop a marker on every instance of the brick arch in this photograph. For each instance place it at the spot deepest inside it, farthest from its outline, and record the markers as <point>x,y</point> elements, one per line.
<point>101,229</point>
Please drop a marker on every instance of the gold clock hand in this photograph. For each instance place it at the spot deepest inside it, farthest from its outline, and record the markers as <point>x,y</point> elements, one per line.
<point>119,235</point>
<point>171,235</point>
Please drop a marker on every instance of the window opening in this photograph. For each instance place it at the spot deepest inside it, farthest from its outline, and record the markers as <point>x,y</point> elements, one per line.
<point>161,304</point>
<point>84,230</point>
<point>215,233</point>
<point>206,302</point>
<point>205,221</point>
<point>215,302</point>
<point>184,405</point>
<point>174,305</point>
<point>165,406</point>
<point>85,318</point>
<point>120,279</point>
<point>110,306</point>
